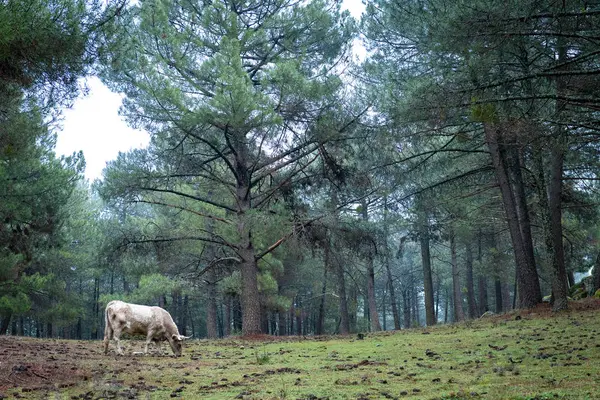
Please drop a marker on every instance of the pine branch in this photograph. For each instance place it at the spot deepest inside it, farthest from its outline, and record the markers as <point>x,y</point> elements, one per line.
<point>213,263</point>
<point>311,221</point>
<point>184,209</point>
<point>189,196</point>
<point>180,239</point>
<point>446,181</point>
<point>266,196</point>
<point>276,168</point>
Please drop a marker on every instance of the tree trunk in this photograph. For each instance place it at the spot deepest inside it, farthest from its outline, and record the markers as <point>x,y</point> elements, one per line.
<point>481,281</point>
<point>237,314</point>
<point>370,256</point>
<point>184,316</point>
<point>320,323</point>
<point>542,194</point>
<point>96,309</point>
<point>596,275</point>
<point>393,301</point>
<point>483,295</point>
<point>298,316</point>
<point>415,304</point>
<point>211,306</point>
<point>498,292</point>
<point>374,314</point>
<point>78,329</point>
<point>528,282</point>
<point>353,307</point>
<point>343,304</point>
<point>265,321</point>
<point>193,326</point>
<point>520,200</point>
<point>506,303</point>
<point>423,221</point>
<point>5,323</point>
<point>292,317</point>
<point>384,311</point>
<point>175,307</point>
<point>227,318</point>
<point>470,283</point>
<point>273,326</point>
<point>459,314</point>
<point>388,268</point>
<point>212,326</point>
<point>13,328</point>
<point>559,144</point>
<point>437,289</point>
<point>80,319</point>
<point>339,273</point>
<point>427,282</point>
<point>282,324</point>
<point>570,278</point>
<point>446,305</point>
<point>250,301</point>
<point>559,274</point>
<point>406,308</point>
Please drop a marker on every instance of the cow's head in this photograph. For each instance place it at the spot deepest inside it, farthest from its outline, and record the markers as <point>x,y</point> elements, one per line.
<point>176,342</point>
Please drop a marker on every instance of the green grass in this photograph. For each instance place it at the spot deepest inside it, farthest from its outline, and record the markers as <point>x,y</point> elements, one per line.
<point>499,358</point>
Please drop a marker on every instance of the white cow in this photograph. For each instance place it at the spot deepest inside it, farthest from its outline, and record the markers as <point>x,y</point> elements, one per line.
<point>153,322</point>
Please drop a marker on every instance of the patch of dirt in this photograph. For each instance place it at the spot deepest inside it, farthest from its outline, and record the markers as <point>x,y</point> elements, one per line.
<point>33,368</point>
<point>28,364</point>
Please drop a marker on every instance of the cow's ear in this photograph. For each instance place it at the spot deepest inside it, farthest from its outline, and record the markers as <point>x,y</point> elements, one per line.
<point>176,337</point>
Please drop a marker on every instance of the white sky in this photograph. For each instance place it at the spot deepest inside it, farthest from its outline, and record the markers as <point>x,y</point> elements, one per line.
<point>93,124</point>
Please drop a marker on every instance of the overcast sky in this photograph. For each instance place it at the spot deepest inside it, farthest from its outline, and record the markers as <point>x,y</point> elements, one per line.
<point>94,126</point>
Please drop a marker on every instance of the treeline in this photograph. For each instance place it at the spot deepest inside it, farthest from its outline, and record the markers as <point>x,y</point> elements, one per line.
<point>291,188</point>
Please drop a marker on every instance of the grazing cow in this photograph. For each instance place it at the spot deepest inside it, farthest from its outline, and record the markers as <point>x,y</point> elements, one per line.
<point>153,322</point>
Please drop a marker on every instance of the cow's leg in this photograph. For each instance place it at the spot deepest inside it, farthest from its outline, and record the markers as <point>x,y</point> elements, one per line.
<point>158,345</point>
<point>116,336</point>
<point>149,337</point>
<point>108,332</point>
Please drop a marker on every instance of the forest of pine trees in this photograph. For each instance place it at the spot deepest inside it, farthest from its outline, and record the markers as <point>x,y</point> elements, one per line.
<point>291,186</point>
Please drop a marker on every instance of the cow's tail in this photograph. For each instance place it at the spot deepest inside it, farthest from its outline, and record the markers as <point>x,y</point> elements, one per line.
<point>108,331</point>
<point>108,328</point>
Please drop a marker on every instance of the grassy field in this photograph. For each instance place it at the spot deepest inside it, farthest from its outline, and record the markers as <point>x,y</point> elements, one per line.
<point>526,355</point>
